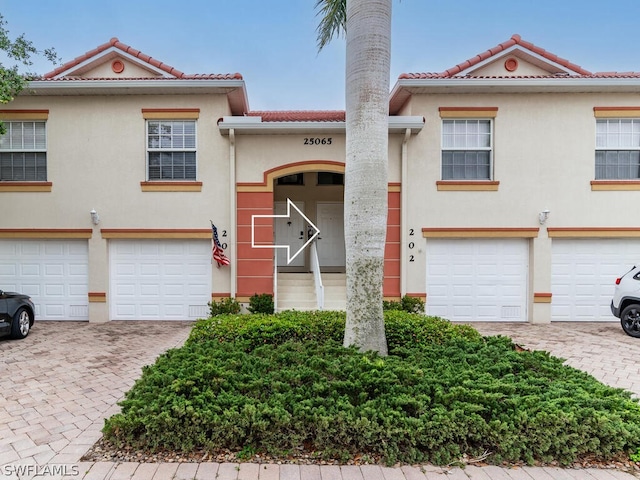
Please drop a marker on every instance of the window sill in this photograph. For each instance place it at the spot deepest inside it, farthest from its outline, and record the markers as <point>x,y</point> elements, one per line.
<point>9,186</point>
<point>171,186</point>
<point>600,185</point>
<point>467,186</point>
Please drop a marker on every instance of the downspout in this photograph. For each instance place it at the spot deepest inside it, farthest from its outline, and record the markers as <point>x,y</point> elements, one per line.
<point>232,207</point>
<point>403,214</point>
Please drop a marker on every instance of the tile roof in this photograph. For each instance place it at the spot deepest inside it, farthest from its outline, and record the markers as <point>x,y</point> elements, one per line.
<point>513,41</point>
<point>299,115</point>
<point>115,43</point>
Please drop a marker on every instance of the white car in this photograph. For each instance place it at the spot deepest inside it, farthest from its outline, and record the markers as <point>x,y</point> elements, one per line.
<point>626,302</point>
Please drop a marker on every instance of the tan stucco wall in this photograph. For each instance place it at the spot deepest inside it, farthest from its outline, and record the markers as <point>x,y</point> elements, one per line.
<point>543,157</point>
<point>96,160</point>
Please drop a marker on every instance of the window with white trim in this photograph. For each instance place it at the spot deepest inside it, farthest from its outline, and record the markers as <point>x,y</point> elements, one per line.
<point>466,149</point>
<point>618,149</point>
<point>23,152</point>
<point>171,150</point>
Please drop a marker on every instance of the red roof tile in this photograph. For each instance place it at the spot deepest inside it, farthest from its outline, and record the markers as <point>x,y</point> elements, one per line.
<point>514,40</point>
<point>115,43</point>
<point>300,115</point>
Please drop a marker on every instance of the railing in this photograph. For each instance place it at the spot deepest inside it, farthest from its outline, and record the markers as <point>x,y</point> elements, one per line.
<point>315,268</point>
<point>275,280</point>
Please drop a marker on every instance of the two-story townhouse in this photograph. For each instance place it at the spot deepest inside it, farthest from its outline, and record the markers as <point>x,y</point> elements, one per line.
<point>510,181</point>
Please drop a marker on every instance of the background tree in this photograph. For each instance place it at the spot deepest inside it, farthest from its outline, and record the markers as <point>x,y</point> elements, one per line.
<point>367,25</point>
<point>19,52</point>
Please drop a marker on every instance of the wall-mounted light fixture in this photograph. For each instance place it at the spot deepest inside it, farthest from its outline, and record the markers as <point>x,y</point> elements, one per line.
<point>543,216</point>
<point>95,218</point>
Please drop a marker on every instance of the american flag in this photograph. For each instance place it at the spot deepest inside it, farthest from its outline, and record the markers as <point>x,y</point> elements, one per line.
<point>216,248</point>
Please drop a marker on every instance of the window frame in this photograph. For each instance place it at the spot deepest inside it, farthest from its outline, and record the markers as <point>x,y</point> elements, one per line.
<point>169,119</point>
<point>22,119</point>
<point>489,149</point>
<point>620,148</point>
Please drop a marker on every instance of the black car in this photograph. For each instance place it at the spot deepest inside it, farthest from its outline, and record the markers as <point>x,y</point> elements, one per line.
<point>17,314</point>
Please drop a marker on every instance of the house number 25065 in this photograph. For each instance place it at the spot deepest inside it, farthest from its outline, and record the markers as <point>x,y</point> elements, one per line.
<point>318,141</point>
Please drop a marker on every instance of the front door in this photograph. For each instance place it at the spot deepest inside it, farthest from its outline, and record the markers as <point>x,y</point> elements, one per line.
<point>330,217</point>
<point>290,231</point>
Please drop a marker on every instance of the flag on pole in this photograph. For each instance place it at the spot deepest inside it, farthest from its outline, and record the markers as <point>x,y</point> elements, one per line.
<point>216,249</point>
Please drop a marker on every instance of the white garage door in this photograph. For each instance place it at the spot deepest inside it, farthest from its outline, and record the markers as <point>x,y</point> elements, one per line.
<point>159,279</point>
<point>53,272</point>
<point>477,279</point>
<point>583,276</point>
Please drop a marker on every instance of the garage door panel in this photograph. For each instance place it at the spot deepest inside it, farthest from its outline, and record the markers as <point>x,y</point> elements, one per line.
<point>583,276</point>
<point>53,272</point>
<point>477,279</point>
<point>163,278</point>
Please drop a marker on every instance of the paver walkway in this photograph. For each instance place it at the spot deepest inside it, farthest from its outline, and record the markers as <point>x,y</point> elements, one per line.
<point>58,385</point>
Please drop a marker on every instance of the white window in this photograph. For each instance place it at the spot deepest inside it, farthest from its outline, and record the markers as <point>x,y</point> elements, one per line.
<point>466,149</point>
<point>23,152</point>
<point>171,150</point>
<point>618,149</point>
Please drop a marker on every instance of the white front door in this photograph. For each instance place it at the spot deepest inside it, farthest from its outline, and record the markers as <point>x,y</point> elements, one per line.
<point>159,279</point>
<point>477,279</point>
<point>583,275</point>
<point>330,222</point>
<point>290,231</point>
<point>55,273</point>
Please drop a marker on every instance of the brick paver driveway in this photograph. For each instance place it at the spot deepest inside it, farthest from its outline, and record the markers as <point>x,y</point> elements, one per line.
<point>59,384</point>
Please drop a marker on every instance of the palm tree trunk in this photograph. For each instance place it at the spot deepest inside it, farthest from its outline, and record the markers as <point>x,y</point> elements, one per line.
<point>366,172</point>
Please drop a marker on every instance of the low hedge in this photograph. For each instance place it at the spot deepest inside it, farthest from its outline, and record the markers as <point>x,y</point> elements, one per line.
<point>284,385</point>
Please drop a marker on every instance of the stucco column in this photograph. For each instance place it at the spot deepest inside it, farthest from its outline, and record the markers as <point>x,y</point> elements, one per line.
<point>98,278</point>
<point>540,278</point>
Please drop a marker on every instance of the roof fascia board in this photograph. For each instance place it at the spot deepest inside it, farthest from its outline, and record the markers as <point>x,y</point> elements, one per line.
<point>70,84</point>
<point>105,53</point>
<point>506,82</point>
<point>255,125</point>
<point>510,51</point>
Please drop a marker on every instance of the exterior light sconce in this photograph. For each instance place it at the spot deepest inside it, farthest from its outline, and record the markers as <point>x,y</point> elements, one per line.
<point>543,216</point>
<point>95,218</point>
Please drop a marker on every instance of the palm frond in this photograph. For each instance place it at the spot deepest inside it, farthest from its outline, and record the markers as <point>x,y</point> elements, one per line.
<point>333,20</point>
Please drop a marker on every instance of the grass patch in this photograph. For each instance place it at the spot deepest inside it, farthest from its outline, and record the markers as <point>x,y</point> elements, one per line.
<point>277,384</point>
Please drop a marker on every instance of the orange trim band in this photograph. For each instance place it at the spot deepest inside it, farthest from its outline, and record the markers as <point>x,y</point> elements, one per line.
<point>97,297</point>
<point>457,232</point>
<point>170,113</point>
<point>615,185</point>
<point>24,114</point>
<point>461,186</point>
<point>593,232</point>
<point>171,186</point>
<point>542,297</point>
<point>25,186</point>
<point>46,233</point>
<point>141,233</point>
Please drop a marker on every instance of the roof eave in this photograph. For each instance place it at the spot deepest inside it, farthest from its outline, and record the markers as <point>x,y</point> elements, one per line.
<point>255,126</point>
<point>235,89</point>
<point>404,88</point>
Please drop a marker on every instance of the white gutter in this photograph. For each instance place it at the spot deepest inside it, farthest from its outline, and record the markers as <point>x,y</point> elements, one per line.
<point>255,125</point>
<point>232,213</point>
<point>404,175</point>
<point>558,83</point>
<point>68,84</point>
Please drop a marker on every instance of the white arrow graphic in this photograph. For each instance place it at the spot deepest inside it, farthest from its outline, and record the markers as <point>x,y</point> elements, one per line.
<point>290,257</point>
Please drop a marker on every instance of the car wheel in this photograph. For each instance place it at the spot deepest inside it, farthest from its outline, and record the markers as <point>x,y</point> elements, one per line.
<point>21,324</point>
<point>630,320</point>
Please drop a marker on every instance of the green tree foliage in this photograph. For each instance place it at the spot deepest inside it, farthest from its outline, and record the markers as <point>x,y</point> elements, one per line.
<point>18,54</point>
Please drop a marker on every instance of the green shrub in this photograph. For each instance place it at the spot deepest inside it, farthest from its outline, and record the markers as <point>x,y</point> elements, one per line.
<point>261,303</point>
<point>276,384</point>
<point>428,402</point>
<point>406,303</point>
<point>224,306</point>
<point>402,328</point>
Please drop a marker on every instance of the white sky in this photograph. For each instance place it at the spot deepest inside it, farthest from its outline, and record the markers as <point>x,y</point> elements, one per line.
<point>272,43</point>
